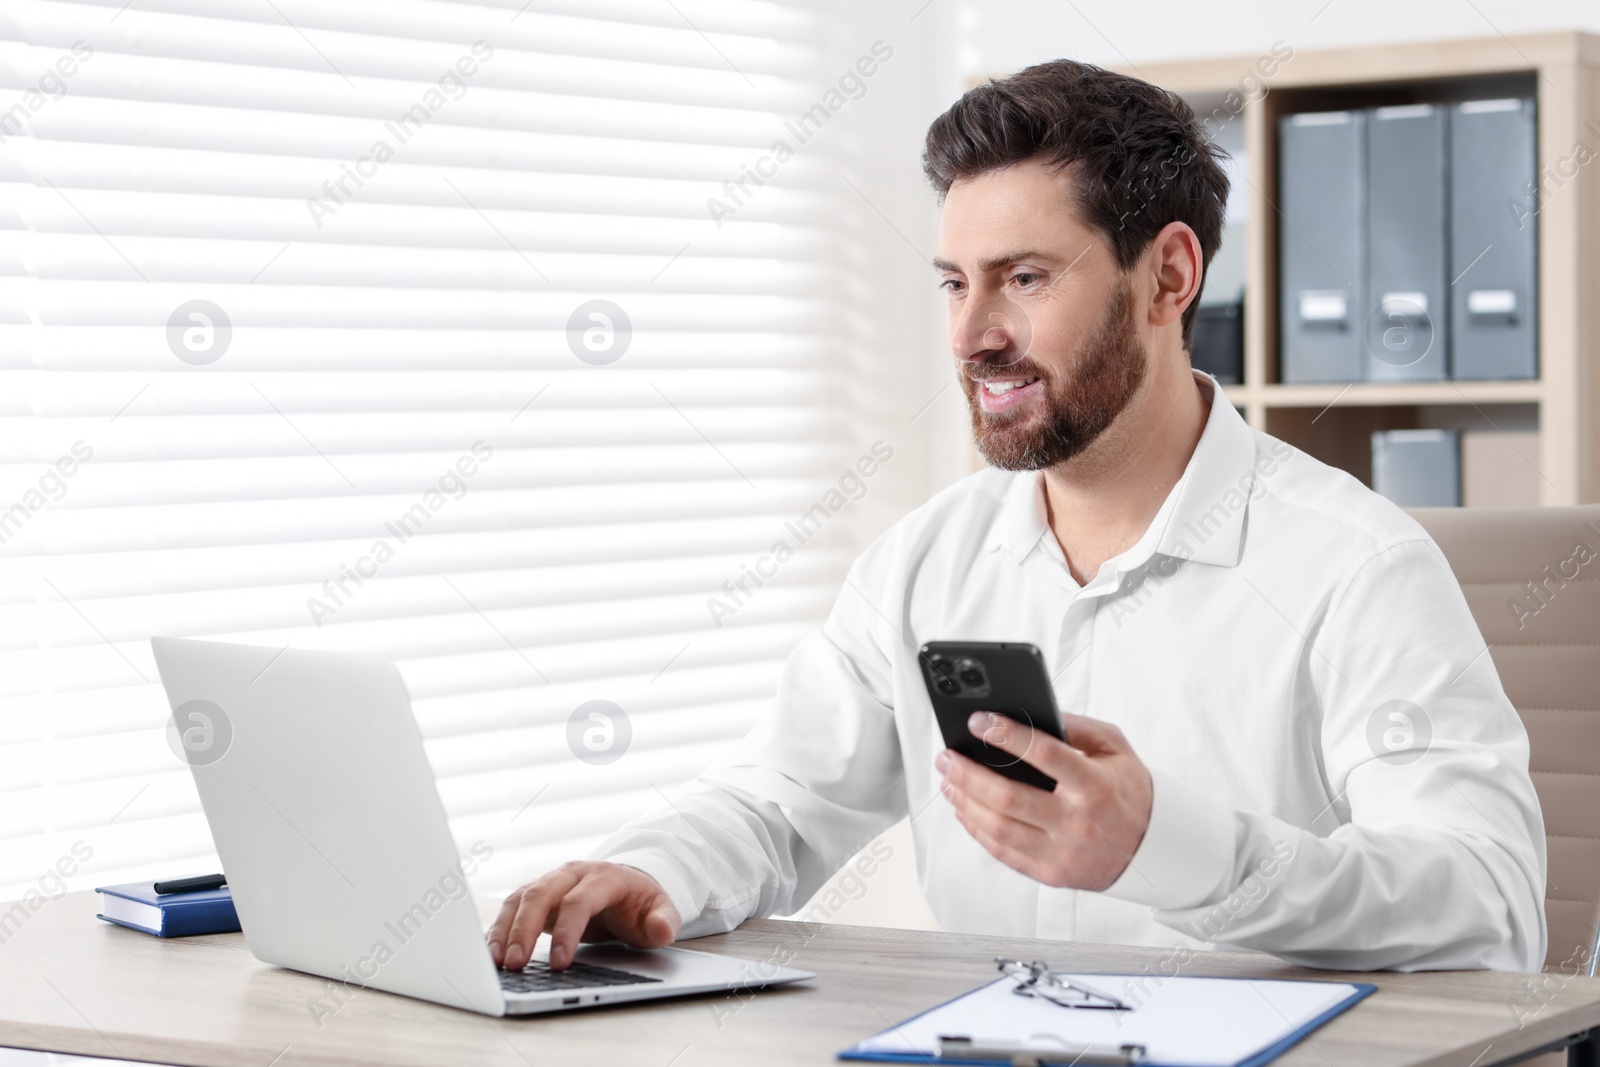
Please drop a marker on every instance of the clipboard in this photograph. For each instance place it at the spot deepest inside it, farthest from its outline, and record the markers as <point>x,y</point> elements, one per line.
<point>1170,1022</point>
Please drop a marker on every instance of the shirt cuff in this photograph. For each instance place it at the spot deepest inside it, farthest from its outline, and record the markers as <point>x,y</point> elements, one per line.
<point>665,872</point>
<point>1186,857</point>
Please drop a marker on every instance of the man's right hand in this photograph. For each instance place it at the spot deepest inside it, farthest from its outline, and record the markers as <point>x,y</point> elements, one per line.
<point>585,901</point>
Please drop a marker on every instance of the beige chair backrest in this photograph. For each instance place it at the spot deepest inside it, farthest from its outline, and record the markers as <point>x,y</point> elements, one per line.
<point>1532,578</point>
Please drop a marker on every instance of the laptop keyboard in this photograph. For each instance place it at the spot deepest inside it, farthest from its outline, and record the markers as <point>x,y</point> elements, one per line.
<point>537,977</point>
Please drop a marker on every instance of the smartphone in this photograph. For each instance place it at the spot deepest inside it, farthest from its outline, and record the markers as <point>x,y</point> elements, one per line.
<point>1007,677</point>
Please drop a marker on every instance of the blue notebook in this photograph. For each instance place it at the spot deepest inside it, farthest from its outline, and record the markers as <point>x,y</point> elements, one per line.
<point>1188,1021</point>
<point>138,907</point>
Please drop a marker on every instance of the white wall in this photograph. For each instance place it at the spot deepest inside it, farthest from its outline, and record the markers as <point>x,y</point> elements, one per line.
<point>996,38</point>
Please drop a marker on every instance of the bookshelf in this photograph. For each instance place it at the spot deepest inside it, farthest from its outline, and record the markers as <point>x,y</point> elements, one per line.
<point>1524,442</point>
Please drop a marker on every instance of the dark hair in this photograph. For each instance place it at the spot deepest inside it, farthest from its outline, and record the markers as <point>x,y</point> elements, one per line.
<point>1139,158</point>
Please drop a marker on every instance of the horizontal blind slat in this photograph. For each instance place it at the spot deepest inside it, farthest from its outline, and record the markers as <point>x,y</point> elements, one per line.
<point>613,536</point>
<point>247,35</point>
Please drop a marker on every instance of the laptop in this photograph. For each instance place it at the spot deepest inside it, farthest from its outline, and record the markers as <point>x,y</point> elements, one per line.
<point>326,816</point>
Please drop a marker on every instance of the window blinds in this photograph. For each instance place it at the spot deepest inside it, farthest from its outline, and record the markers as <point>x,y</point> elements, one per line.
<point>405,327</point>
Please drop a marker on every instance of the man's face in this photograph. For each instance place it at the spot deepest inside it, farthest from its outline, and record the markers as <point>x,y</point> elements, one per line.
<point>1041,319</point>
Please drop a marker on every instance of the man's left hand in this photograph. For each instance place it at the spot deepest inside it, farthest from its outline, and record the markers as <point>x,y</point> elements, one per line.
<point>1080,836</point>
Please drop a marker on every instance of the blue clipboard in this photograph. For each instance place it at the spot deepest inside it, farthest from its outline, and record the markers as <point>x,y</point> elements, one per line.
<point>1283,1038</point>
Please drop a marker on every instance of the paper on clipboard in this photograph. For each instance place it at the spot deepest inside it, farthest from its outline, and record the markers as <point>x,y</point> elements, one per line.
<point>1197,1022</point>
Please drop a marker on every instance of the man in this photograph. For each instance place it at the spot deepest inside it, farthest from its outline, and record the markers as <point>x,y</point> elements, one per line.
<point>1284,732</point>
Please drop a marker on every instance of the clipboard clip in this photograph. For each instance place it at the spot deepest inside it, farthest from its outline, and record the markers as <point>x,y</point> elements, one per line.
<point>961,1047</point>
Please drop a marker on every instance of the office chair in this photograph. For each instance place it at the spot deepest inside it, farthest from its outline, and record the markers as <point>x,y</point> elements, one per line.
<point>1532,579</point>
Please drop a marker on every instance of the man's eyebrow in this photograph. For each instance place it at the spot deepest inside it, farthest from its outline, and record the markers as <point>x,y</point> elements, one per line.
<point>1005,259</point>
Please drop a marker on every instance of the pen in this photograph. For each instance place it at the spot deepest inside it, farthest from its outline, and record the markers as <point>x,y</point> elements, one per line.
<point>958,1047</point>
<point>190,885</point>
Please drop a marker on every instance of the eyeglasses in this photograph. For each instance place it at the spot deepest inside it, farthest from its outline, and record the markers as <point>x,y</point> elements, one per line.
<point>1036,979</point>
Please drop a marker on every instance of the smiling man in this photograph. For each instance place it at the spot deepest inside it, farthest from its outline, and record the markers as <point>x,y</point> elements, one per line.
<point>1283,731</point>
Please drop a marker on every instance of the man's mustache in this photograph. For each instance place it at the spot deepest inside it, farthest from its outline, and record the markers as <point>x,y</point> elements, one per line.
<point>1024,368</point>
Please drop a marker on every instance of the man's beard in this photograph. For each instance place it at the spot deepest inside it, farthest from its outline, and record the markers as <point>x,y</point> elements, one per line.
<point>1078,406</point>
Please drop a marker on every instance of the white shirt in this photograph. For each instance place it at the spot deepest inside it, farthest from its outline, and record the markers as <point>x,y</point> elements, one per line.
<point>1251,646</point>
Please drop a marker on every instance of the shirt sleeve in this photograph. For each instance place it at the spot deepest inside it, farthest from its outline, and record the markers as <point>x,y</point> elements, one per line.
<point>814,782</point>
<point>1431,854</point>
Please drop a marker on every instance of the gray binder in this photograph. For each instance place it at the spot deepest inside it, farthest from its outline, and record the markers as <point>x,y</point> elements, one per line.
<point>1493,240</point>
<point>1408,319</point>
<point>1320,173</point>
<point>1418,468</point>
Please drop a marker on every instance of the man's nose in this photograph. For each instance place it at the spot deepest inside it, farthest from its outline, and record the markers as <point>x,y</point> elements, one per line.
<point>982,331</point>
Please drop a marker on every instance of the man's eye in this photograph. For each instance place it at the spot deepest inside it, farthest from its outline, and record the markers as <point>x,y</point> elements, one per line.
<point>952,285</point>
<point>1025,279</point>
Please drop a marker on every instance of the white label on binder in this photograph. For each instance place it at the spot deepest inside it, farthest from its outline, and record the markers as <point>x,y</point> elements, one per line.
<point>1324,305</point>
<point>1321,118</point>
<point>1484,107</point>
<point>1492,302</point>
<point>1404,111</point>
<point>1408,304</point>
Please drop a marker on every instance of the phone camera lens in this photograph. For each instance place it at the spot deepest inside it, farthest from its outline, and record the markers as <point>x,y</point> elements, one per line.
<point>942,666</point>
<point>947,686</point>
<point>972,676</point>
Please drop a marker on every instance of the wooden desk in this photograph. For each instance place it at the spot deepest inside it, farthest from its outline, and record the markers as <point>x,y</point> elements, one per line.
<point>71,983</point>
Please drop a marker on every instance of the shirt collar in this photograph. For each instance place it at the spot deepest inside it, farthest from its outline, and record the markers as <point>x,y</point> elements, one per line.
<point>1202,518</point>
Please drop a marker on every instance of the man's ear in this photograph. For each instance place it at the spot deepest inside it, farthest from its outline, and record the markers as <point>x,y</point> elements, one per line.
<point>1177,268</point>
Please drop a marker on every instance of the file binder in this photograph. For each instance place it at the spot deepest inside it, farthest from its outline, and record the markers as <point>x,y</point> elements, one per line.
<point>1418,468</point>
<point>1493,240</point>
<point>1407,326</point>
<point>1218,346</point>
<point>1320,238</point>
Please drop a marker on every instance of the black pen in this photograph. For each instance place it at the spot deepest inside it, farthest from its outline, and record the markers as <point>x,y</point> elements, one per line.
<point>191,885</point>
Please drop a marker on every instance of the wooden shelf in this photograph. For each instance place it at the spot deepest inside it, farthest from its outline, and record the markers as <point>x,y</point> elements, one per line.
<point>1369,394</point>
<point>1548,430</point>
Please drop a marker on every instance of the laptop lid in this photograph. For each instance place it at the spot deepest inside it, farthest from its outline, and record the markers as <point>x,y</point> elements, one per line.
<point>313,777</point>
